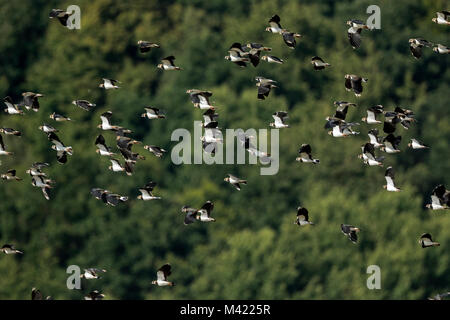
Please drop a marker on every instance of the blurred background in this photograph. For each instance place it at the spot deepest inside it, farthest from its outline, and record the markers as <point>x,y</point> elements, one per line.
<point>253,251</point>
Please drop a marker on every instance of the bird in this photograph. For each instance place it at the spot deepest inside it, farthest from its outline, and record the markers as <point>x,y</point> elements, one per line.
<point>94,295</point>
<point>280,118</point>
<point>318,63</point>
<point>105,125</point>
<point>97,192</point>
<point>39,181</point>
<point>405,116</point>
<point>37,295</point>
<point>58,145</point>
<point>415,144</point>
<point>302,217</point>
<point>11,108</point>
<point>440,296</point>
<point>146,192</point>
<point>30,100</point>
<point>212,134</point>
<point>209,116</point>
<point>264,86</point>
<point>354,32</point>
<point>168,64</point>
<point>190,214</point>
<point>112,199</point>
<point>416,45</point>
<point>235,181</point>
<point>161,276</point>
<point>341,128</point>
<point>115,166</point>
<point>146,46</point>
<point>235,57</point>
<point>130,156</point>
<point>305,155</point>
<point>10,131</point>
<point>426,241</point>
<point>342,104</point>
<point>204,213</point>
<point>350,231</point>
<point>200,99</point>
<point>440,198</point>
<point>157,151</point>
<point>368,155</point>
<point>439,48</point>
<point>272,59</point>
<point>10,249</point>
<point>257,46</point>
<point>47,128</point>
<point>244,139</point>
<point>372,114</point>
<point>255,51</point>
<point>10,175</point>
<point>442,17</point>
<point>109,84</point>
<point>61,15</point>
<point>103,149</point>
<point>275,26</point>
<point>36,168</point>
<point>92,273</point>
<point>373,138</point>
<point>391,144</point>
<point>289,38</point>
<point>389,176</point>
<point>59,117</point>
<point>354,82</point>
<point>84,104</point>
<point>152,113</point>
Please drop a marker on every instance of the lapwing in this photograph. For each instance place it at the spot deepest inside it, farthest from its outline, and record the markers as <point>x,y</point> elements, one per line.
<point>389,176</point>
<point>426,241</point>
<point>161,276</point>
<point>350,231</point>
<point>305,155</point>
<point>168,64</point>
<point>302,217</point>
<point>147,192</point>
<point>235,181</point>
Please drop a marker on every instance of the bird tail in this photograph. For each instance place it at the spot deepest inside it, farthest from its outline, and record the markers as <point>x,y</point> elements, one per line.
<point>243,181</point>
<point>365,79</point>
<point>178,68</point>
<point>172,284</point>
<point>19,252</point>
<point>435,244</point>
<point>161,116</point>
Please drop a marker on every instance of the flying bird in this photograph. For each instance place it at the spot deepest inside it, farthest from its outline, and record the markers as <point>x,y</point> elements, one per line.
<point>161,276</point>
<point>302,217</point>
<point>368,155</point>
<point>59,117</point>
<point>264,86</point>
<point>372,113</point>
<point>147,192</point>
<point>30,100</point>
<point>235,181</point>
<point>442,17</point>
<point>10,131</point>
<point>426,241</point>
<point>354,32</point>
<point>416,45</point>
<point>157,151</point>
<point>109,84</point>
<point>103,149</point>
<point>10,249</point>
<point>391,144</point>
<point>11,108</point>
<point>439,48</point>
<point>146,46</point>
<point>280,120</point>
<point>440,296</point>
<point>92,273</point>
<point>112,199</point>
<point>272,59</point>
<point>94,295</point>
<point>354,82</point>
<point>105,125</point>
<point>389,176</point>
<point>289,38</point>
<point>305,155</point>
<point>10,175</point>
<point>235,57</point>
<point>37,295</point>
<point>84,104</point>
<point>373,138</point>
<point>275,26</point>
<point>47,128</point>
<point>168,64</point>
<point>61,15</point>
<point>318,63</point>
<point>152,113</point>
<point>200,99</point>
<point>440,198</point>
<point>58,145</point>
<point>415,144</point>
<point>350,231</point>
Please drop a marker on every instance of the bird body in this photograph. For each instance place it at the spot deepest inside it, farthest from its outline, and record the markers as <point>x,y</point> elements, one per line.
<point>235,181</point>
<point>109,84</point>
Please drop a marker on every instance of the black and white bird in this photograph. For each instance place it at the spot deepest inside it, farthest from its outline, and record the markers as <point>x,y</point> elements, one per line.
<point>374,139</point>
<point>255,51</point>
<point>354,82</point>
<point>405,116</point>
<point>161,276</point>
<point>342,104</point>
<point>10,132</point>
<point>389,176</point>
<point>37,295</point>
<point>416,45</point>
<point>341,128</point>
<point>103,149</point>
<point>94,295</point>
<point>354,32</point>
<point>30,100</point>
<point>153,113</point>
<point>105,125</point>
<point>440,198</point>
<point>235,57</point>
<point>368,155</point>
<point>272,59</point>
<point>168,64</point>
<point>40,181</point>
<point>318,63</point>
<point>157,151</point>
<point>200,99</point>
<point>235,181</point>
<point>47,128</point>
<point>391,144</point>
<point>440,48</point>
<point>264,86</point>
<point>350,231</point>
<point>10,249</point>
<point>58,146</point>
<point>61,15</point>
<point>440,296</point>
<point>212,134</point>
<point>302,217</point>
<point>275,26</point>
<point>59,117</point>
<point>112,199</point>
<point>97,192</point>
<point>92,273</point>
<point>84,104</point>
<point>290,38</point>
<point>246,143</point>
<point>117,167</point>
<point>146,46</point>
<point>415,144</point>
<point>305,155</point>
<point>209,116</point>
<point>36,169</point>
<point>442,17</point>
<point>372,113</point>
<point>147,192</point>
<point>11,108</point>
<point>426,241</point>
<point>109,84</point>
<point>280,118</point>
<point>10,175</point>
<point>204,213</point>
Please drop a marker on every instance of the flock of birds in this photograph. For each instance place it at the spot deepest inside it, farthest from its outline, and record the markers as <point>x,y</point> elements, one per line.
<point>241,56</point>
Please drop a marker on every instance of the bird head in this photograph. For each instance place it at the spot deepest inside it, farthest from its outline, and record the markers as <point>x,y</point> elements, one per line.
<point>160,66</point>
<point>147,147</point>
<point>434,20</point>
<point>268,29</point>
<point>272,124</point>
<point>298,159</point>
<point>435,49</point>
<point>101,85</point>
<point>349,22</point>
<point>139,196</point>
<point>227,58</point>
<point>99,126</point>
<point>428,206</point>
<point>409,144</point>
<point>330,133</point>
<point>226,179</point>
<point>154,282</point>
<point>264,58</point>
<point>53,147</point>
<point>363,119</point>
